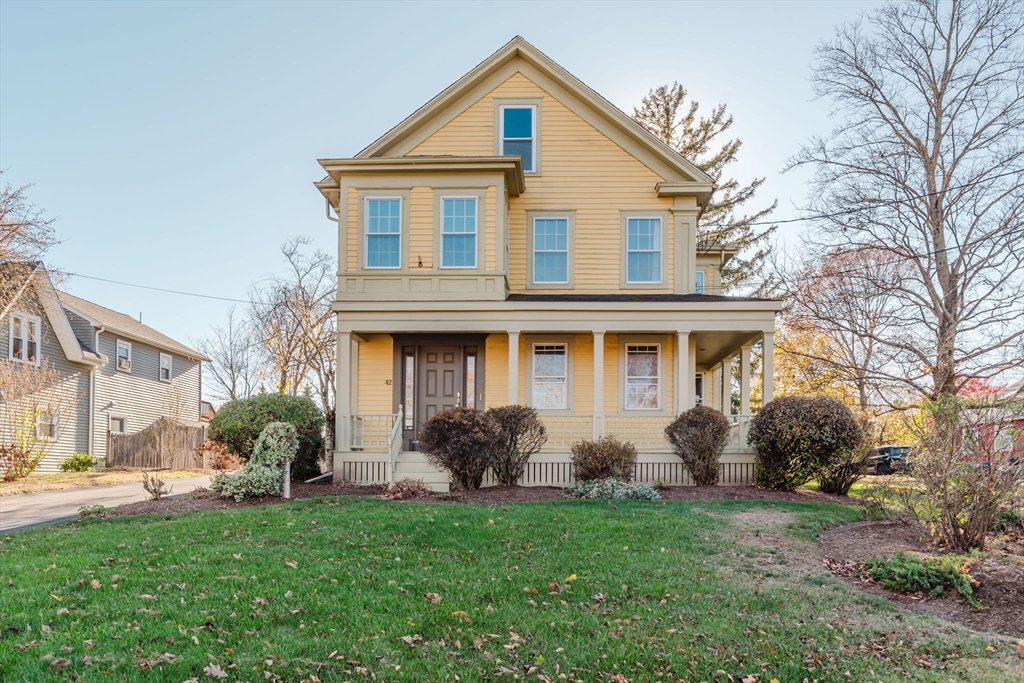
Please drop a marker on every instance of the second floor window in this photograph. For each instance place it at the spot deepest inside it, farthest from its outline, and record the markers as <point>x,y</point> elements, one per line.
<point>518,137</point>
<point>165,367</point>
<point>383,233</point>
<point>643,250</point>
<point>24,341</point>
<point>700,282</point>
<point>458,232</point>
<point>551,251</point>
<point>124,356</point>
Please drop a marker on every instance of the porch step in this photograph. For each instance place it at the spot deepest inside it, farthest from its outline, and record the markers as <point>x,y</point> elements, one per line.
<point>414,466</point>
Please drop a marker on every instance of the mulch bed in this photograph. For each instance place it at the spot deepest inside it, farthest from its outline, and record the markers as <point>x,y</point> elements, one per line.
<point>1001,576</point>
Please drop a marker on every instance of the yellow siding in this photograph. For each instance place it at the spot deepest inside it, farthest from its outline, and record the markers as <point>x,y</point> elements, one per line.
<point>490,228</point>
<point>421,227</point>
<point>668,365</point>
<point>611,374</point>
<point>496,370</point>
<point>353,230</point>
<point>581,169</point>
<point>376,366</point>
<point>583,375</point>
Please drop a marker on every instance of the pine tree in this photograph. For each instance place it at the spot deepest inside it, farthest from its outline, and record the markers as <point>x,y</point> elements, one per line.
<point>666,113</point>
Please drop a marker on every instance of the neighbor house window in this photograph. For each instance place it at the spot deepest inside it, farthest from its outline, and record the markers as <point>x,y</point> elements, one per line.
<point>24,338</point>
<point>458,232</point>
<point>46,424</point>
<point>383,233</point>
<point>550,377</point>
<point>700,282</point>
<point>165,367</point>
<point>518,134</point>
<point>124,356</point>
<point>551,251</point>
<point>118,425</point>
<point>643,250</point>
<point>642,390</point>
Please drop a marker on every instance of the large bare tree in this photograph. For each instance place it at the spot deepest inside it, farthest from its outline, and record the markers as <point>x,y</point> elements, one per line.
<point>25,236</point>
<point>925,169</point>
<point>234,362</point>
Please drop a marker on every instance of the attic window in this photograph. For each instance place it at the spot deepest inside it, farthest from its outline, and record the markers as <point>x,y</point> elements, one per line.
<point>24,338</point>
<point>519,134</point>
<point>165,367</point>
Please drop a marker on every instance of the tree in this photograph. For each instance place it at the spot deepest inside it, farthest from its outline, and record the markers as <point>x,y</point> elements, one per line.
<point>234,364</point>
<point>665,113</point>
<point>924,170</point>
<point>25,236</point>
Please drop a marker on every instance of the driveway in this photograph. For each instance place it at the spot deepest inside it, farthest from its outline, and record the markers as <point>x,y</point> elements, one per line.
<point>17,512</point>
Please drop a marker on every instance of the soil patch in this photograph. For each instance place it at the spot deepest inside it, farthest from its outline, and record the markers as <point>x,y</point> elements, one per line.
<point>1001,577</point>
<point>750,493</point>
<point>205,499</point>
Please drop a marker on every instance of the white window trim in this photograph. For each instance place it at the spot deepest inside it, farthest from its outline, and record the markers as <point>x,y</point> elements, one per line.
<point>170,368</point>
<point>567,343</point>
<point>367,233</point>
<point>660,251</point>
<point>124,421</point>
<point>534,251</point>
<point>533,129</point>
<point>25,320</point>
<point>624,377</point>
<point>475,233</point>
<point>55,421</point>
<point>117,356</point>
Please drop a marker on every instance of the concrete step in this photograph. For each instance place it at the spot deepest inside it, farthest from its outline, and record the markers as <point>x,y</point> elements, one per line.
<point>414,466</point>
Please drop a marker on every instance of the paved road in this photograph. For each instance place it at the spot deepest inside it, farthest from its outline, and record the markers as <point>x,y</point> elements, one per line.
<point>30,509</point>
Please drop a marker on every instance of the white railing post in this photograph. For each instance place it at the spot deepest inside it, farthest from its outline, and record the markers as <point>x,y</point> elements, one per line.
<point>287,479</point>
<point>394,442</point>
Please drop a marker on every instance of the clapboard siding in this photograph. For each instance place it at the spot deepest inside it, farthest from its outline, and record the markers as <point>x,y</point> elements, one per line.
<point>140,396</point>
<point>376,367</point>
<point>70,395</point>
<point>83,329</point>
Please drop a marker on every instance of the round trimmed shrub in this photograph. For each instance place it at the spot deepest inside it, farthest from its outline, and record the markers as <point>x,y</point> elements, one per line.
<point>606,458</point>
<point>797,438</point>
<point>238,426</point>
<point>463,441</point>
<point>522,435</point>
<point>698,436</point>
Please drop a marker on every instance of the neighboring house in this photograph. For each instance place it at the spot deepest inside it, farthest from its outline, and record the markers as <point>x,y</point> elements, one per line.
<point>206,411</point>
<point>114,373</point>
<point>518,239</point>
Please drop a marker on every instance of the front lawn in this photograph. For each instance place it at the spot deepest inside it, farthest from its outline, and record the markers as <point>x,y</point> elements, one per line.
<point>34,483</point>
<point>359,589</point>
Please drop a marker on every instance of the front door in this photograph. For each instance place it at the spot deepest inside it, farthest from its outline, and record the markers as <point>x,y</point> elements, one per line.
<point>439,382</point>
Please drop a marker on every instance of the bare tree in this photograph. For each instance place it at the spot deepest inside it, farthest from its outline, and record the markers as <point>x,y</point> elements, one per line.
<point>25,235</point>
<point>925,169</point>
<point>30,400</point>
<point>234,364</point>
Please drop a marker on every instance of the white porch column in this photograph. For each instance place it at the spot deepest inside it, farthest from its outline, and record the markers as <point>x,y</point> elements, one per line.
<point>342,391</point>
<point>598,426</point>
<point>745,379</point>
<point>685,391</point>
<point>767,365</point>
<point>513,367</point>
<point>726,406</point>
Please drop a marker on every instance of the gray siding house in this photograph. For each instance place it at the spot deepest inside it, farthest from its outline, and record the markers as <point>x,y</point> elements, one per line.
<point>115,374</point>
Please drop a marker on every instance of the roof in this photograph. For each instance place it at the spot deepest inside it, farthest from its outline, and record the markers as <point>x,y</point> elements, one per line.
<point>638,298</point>
<point>125,324</point>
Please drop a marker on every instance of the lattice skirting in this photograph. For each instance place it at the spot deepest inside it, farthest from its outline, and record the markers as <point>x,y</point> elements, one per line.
<point>547,469</point>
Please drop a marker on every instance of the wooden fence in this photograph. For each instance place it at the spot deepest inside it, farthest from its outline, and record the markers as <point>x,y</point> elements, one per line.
<point>165,444</point>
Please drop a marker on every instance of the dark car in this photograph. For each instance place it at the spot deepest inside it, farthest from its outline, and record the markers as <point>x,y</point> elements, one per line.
<point>889,459</point>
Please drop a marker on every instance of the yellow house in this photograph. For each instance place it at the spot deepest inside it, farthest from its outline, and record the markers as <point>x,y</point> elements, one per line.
<point>518,239</point>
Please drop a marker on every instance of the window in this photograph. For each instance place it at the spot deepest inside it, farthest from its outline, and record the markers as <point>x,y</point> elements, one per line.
<point>410,389</point>
<point>458,232</point>
<point>118,425</point>
<point>550,377</point>
<point>642,390</point>
<point>383,233</point>
<point>643,250</point>
<point>551,251</point>
<point>698,384</point>
<point>124,356</point>
<point>165,367</point>
<point>24,338</point>
<point>46,424</point>
<point>700,282</point>
<point>470,380</point>
<point>518,138</point>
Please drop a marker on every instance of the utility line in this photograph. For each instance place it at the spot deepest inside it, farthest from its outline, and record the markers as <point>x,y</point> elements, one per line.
<point>161,289</point>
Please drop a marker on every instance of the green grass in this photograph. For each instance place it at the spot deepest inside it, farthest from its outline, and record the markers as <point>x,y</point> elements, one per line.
<point>338,588</point>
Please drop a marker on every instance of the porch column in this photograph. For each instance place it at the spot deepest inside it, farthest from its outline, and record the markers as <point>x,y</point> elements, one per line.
<point>685,391</point>
<point>768,352</point>
<point>342,393</point>
<point>745,379</point>
<point>598,426</point>
<point>513,367</point>
<point>726,386</point>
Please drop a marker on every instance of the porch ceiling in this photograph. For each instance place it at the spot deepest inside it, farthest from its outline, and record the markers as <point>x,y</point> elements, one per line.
<point>712,347</point>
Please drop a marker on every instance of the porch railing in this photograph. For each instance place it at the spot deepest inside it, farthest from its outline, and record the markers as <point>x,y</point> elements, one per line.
<point>740,426</point>
<point>643,431</point>
<point>565,430</point>
<point>371,431</point>
<point>395,440</point>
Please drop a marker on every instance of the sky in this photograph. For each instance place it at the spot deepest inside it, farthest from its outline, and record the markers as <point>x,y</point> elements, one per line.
<point>176,142</point>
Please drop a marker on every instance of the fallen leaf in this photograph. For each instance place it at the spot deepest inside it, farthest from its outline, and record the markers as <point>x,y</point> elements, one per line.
<point>434,598</point>
<point>60,663</point>
<point>293,565</point>
<point>214,671</point>
<point>95,583</point>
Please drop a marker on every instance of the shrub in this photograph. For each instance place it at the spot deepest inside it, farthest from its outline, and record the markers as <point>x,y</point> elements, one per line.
<point>239,424</point>
<point>903,573</point>
<point>464,442</point>
<point>612,489</point>
<point>606,458</point>
<point>841,474</point>
<point>155,486</point>
<point>17,462</point>
<point>698,436</point>
<point>522,435</point>
<point>79,462</point>
<point>405,489</point>
<point>797,437</point>
<point>263,474</point>
<point>214,455</point>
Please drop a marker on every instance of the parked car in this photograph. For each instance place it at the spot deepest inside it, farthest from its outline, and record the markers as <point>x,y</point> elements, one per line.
<point>889,459</point>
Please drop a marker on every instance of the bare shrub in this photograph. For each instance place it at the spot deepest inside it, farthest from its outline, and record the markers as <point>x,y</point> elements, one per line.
<point>522,435</point>
<point>155,486</point>
<point>462,441</point>
<point>698,436</point>
<point>215,455</point>
<point>606,458</point>
<point>841,474</point>
<point>405,489</point>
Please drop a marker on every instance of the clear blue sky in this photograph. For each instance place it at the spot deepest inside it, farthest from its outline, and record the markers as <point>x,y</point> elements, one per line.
<point>176,143</point>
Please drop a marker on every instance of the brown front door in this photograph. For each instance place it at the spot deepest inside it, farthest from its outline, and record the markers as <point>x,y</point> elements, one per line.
<point>439,386</point>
